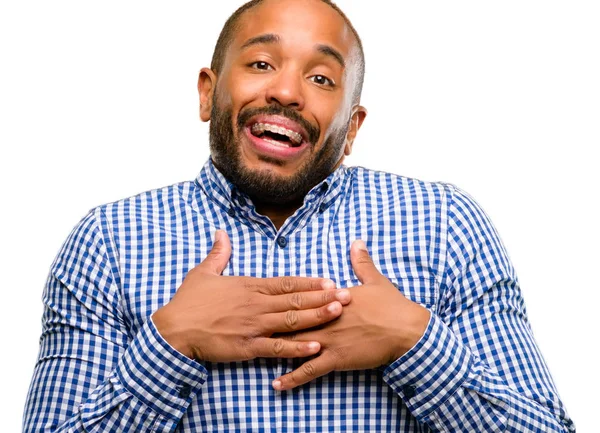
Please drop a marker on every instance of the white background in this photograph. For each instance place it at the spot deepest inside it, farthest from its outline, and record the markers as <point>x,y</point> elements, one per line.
<point>98,102</point>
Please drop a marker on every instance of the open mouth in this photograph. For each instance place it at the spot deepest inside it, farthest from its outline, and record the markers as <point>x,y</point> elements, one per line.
<point>277,135</point>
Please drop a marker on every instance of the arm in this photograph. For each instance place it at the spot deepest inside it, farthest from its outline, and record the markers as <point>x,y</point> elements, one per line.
<point>95,374</point>
<point>471,365</point>
<point>91,375</point>
<point>477,367</point>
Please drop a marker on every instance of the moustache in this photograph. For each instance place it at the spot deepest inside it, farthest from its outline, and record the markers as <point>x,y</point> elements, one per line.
<point>245,115</point>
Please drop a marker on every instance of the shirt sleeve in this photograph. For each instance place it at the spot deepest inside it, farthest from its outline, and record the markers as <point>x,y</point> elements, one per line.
<point>91,374</point>
<point>477,367</point>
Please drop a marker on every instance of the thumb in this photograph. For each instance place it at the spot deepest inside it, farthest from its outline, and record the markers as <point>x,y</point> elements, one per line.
<point>216,260</point>
<point>362,263</point>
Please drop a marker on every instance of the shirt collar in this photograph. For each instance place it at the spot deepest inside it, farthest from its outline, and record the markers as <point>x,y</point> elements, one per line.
<point>218,188</point>
<point>214,184</point>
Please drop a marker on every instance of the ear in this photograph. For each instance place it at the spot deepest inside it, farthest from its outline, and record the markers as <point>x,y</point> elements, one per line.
<point>207,82</point>
<point>358,116</point>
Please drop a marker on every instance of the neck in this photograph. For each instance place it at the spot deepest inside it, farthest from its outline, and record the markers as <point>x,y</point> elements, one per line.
<point>277,213</point>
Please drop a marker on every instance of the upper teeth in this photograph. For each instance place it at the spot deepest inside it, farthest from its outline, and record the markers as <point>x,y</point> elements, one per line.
<point>259,128</point>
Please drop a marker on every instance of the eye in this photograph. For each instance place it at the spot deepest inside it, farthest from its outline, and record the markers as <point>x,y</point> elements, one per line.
<point>322,80</point>
<point>262,66</point>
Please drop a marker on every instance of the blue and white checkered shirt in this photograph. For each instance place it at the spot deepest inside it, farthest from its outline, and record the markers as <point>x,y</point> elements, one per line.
<point>103,367</point>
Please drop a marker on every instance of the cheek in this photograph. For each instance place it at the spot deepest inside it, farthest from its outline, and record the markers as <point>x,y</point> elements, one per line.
<point>329,110</point>
<point>222,99</point>
<point>244,88</point>
<point>333,122</point>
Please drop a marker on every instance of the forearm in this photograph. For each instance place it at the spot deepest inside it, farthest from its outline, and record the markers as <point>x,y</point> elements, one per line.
<point>149,389</point>
<point>93,372</point>
<point>449,388</point>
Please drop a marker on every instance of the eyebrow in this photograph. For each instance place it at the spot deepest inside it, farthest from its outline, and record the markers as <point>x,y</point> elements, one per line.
<point>332,52</point>
<point>270,38</point>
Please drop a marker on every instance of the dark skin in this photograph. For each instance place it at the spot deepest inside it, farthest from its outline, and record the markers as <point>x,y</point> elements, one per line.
<point>358,328</point>
<point>288,68</point>
<point>225,319</point>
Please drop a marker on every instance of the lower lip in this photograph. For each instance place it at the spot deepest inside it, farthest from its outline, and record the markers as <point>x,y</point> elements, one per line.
<point>267,148</point>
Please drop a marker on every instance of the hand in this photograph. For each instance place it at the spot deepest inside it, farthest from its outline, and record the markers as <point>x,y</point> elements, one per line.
<point>223,319</point>
<point>378,327</point>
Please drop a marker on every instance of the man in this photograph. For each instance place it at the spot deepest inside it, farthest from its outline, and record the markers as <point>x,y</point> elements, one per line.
<point>282,291</point>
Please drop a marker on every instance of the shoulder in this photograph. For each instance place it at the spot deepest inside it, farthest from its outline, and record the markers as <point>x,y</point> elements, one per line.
<point>414,198</point>
<point>171,199</point>
<point>394,187</point>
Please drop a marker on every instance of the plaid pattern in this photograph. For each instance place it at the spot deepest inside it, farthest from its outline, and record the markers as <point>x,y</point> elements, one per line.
<point>103,366</point>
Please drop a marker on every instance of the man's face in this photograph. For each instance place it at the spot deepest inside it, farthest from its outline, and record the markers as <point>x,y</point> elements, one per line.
<point>281,110</point>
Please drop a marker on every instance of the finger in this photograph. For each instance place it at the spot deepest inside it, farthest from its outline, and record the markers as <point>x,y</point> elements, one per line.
<point>308,371</point>
<point>285,285</point>
<point>362,263</point>
<point>306,300</point>
<point>294,320</point>
<point>280,348</point>
<point>216,260</point>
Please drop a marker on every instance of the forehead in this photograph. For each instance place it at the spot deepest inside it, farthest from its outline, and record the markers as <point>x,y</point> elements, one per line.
<point>298,23</point>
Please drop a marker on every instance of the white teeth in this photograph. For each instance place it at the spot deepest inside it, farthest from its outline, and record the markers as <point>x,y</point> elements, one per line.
<point>259,128</point>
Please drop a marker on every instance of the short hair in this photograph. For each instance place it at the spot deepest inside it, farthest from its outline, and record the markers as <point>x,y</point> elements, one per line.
<point>232,26</point>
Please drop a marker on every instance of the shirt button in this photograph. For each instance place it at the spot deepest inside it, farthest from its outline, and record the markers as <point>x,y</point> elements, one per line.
<point>282,241</point>
<point>409,391</point>
<point>322,207</point>
<point>185,391</point>
<point>242,201</point>
<point>231,212</point>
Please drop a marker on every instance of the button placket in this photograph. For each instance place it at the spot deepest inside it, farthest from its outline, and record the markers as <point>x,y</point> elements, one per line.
<point>282,241</point>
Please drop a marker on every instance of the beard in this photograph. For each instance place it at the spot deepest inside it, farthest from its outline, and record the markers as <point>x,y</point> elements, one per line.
<point>265,186</point>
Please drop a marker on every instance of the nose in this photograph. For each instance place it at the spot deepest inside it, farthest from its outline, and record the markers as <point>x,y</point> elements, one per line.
<point>286,89</point>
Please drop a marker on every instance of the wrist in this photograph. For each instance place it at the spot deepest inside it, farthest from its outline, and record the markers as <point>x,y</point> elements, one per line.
<point>166,325</point>
<point>412,328</point>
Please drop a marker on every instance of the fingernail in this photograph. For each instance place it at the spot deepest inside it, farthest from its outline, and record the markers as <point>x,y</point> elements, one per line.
<point>277,385</point>
<point>360,244</point>
<point>342,295</point>
<point>218,236</point>
<point>313,346</point>
<point>333,307</point>
<point>328,285</point>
